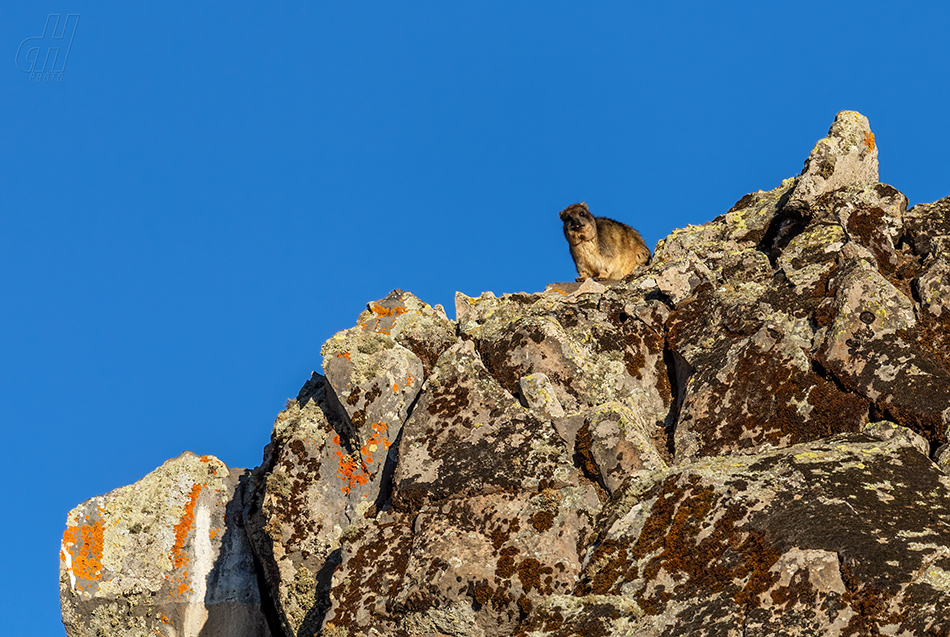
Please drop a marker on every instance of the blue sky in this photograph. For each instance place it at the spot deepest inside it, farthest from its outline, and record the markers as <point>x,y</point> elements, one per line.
<point>213,189</point>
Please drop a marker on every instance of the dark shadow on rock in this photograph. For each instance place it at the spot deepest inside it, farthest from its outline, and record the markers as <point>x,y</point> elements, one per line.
<point>384,498</point>
<point>788,222</point>
<point>678,371</point>
<point>313,622</point>
<point>236,605</point>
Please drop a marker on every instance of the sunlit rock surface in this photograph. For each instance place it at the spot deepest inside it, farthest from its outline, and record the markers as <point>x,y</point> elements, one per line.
<point>745,437</point>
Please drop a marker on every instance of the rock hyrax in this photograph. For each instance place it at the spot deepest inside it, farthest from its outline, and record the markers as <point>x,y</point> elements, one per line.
<point>602,248</point>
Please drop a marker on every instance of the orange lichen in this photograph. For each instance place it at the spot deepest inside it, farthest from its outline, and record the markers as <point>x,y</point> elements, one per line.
<point>377,440</point>
<point>183,527</point>
<point>345,355</point>
<point>392,312</point>
<point>179,584</point>
<point>383,313</point>
<point>70,535</point>
<point>355,473</point>
<point>869,140</point>
<point>349,472</point>
<point>395,388</point>
<point>88,538</point>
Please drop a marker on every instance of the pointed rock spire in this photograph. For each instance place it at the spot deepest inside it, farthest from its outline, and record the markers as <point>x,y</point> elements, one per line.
<point>846,156</point>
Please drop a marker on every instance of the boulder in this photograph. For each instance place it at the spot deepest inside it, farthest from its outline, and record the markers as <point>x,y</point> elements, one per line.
<point>167,555</point>
<point>847,155</point>
<point>467,436</point>
<point>825,538</point>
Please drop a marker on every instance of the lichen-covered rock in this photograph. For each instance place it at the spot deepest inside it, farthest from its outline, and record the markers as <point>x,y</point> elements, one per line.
<point>873,216</point>
<point>616,441</point>
<point>596,364</point>
<point>871,347</point>
<point>167,555</point>
<point>572,616</point>
<point>420,328</point>
<point>847,155</point>
<point>593,348</point>
<point>328,470</point>
<point>538,394</point>
<point>761,392</point>
<point>933,287</point>
<point>468,436</point>
<point>927,227</point>
<point>371,382</point>
<point>468,566</point>
<point>749,220</point>
<point>723,251</point>
<point>374,379</point>
<point>810,257</point>
<point>885,430</point>
<point>312,489</point>
<point>736,439</point>
<point>835,537</point>
<point>679,279</point>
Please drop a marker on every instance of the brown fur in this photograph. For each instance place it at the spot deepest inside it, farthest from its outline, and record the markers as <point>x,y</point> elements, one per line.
<point>602,248</point>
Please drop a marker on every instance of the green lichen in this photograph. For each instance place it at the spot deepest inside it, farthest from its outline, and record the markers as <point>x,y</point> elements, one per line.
<point>301,596</point>
<point>278,484</point>
<point>332,630</point>
<point>372,343</point>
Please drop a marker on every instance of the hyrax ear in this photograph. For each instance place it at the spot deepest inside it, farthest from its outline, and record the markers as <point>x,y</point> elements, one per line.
<point>563,214</point>
<point>583,205</point>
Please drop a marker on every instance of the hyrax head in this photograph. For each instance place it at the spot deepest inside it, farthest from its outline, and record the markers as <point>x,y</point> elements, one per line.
<point>579,224</point>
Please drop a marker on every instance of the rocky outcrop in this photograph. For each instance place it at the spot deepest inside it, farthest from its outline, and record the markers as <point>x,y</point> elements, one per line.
<point>167,555</point>
<point>745,437</point>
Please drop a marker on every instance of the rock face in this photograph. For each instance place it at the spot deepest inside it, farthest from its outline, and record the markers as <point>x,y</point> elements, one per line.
<point>745,437</point>
<point>167,555</point>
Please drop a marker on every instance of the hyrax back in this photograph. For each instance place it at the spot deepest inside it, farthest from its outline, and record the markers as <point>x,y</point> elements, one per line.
<point>602,248</point>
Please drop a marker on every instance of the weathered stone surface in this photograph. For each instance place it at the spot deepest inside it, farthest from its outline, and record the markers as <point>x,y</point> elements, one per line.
<point>423,330</point>
<point>374,378</point>
<point>167,555</point>
<point>600,362</point>
<point>681,278</point>
<point>761,392</point>
<point>885,430</point>
<point>933,287</point>
<point>809,258</point>
<point>734,440</point>
<point>748,221</point>
<point>312,490</point>
<point>372,573</point>
<point>328,469</point>
<point>847,155</point>
<point>371,382</point>
<point>468,436</point>
<point>871,347</point>
<point>538,394</point>
<point>827,538</point>
<point>927,227</point>
<point>570,615</point>
<point>466,566</point>
<point>622,443</point>
<point>592,348</point>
